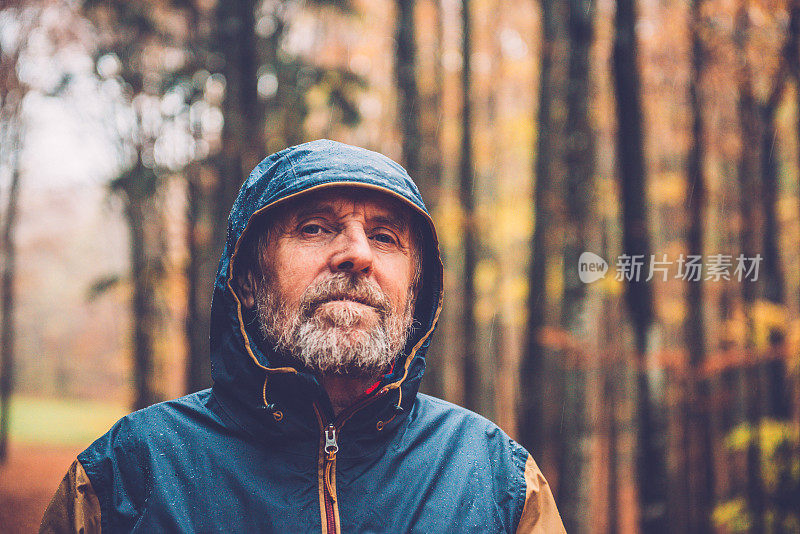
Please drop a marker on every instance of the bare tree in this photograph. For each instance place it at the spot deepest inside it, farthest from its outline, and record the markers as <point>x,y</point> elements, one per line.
<point>760,230</point>
<point>10,117</point>
<point>138,187</point>
<point>536,402</point>
<point>232,40</point>
<point>578,223</point>
<point>474,381</point>
<point>698,471</point>
<point>651,446</point>
<point>430,109</point>
<point>405,67</point>
<point>752,223</point>
<point>429,175</point>
<point>793,59</point>
<point>140,181</point>
<point>12,92</point>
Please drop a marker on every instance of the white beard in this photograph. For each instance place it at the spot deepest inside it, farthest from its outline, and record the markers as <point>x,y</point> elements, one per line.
<point>343,325</point>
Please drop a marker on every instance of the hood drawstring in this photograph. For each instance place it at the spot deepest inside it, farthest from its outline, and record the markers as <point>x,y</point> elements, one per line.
<point>270,406</point>
<point>396,408</point>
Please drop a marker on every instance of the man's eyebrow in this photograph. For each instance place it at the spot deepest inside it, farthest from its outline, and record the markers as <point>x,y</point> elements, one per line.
<point>314,209</point>
<point>396,222</point>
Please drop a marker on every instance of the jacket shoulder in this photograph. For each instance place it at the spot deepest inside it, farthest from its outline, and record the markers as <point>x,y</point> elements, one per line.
<point>519,487</point>
<point>120,464</point>
<point>155,426</point>
<point>466,426</point>
<point>466,444</point>
<point>156,422</point>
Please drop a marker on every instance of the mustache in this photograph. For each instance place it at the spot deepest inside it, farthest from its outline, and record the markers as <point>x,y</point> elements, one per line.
<point>344,286</point>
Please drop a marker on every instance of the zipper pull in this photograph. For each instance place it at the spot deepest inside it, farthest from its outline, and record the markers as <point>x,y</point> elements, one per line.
<point>331,447</point>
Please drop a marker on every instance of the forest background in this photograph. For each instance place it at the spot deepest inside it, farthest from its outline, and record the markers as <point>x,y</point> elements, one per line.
<point>660,136</point>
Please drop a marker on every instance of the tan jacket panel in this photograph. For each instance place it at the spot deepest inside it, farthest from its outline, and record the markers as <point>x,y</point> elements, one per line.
<point>539,516</point>
<point>74,508</point>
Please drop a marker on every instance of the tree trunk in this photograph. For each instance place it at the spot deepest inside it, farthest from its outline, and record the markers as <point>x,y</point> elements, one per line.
<point>611,381</point>
<point>579,195</point>
<point>12,92</point>
<point>8,252</point>
<point>651,457</point>
<point>197,288</point>
<point>430,175</point>
<point>579,159</point>
<point>407,91</point>
<point>788,66</point>
<point>430,111</point>
<point>573,498</point>
<point>751,231</point>
<point>748,170</point>
<point>534,400</point>
<point>630,162</point>
<point>204,249</point>
<point>772,270</point>
<point>242,143</point>
<point>242,148</point>
<point>794,65</point>
<point>474,381</point>
<point>198,230</point>
<point>142,310</point>
<point>138,188</point>
<point>698,470</point>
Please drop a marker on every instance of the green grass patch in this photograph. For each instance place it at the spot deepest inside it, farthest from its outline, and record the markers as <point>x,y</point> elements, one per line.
<point>50,421</point>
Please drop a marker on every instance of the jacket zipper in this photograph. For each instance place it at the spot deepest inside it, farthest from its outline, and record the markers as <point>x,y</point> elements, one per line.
<point>329,482</point>
<point>330,433</point>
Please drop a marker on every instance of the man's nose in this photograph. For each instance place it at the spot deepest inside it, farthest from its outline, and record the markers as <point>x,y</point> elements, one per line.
<point>353,252</point>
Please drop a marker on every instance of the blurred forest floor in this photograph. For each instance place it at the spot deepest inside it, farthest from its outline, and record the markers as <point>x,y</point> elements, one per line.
<point>42,447</point>
<point>28,481</point>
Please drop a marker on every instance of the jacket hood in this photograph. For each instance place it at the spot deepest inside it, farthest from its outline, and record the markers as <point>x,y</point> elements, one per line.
<point>257,386</point>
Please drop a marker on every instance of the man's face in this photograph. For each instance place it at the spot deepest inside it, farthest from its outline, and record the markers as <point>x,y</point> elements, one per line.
<point>336,291</point>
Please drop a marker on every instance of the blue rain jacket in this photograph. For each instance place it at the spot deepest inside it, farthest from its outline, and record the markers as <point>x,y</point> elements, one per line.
<point>261,451</point>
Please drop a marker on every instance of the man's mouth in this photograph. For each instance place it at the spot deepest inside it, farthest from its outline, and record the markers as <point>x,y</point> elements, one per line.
<point>342,298</point>
<point>340,289</point>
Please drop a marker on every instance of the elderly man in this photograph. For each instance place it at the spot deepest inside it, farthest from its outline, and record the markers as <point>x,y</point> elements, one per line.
<point>327,293</point>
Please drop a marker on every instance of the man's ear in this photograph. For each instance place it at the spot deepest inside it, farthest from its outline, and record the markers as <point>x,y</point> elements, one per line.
<point>247,289</point>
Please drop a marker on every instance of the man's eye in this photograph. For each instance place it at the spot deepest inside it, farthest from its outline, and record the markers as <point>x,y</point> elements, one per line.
<point>383,237</point>
<point>311,229</point>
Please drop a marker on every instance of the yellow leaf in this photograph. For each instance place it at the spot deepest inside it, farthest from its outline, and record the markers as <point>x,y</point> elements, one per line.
<point>668,188</point>
<point>485,276</point>
<point>449,217</point>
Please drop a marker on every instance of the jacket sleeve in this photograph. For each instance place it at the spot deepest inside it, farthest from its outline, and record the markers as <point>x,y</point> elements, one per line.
<point>539,515</point>
<point>74,508</point>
